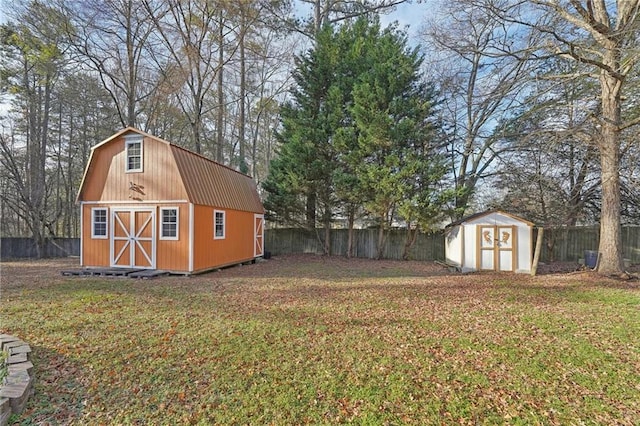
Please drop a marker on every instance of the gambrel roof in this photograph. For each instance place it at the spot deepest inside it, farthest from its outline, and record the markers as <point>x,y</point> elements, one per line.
<point>205,181</point>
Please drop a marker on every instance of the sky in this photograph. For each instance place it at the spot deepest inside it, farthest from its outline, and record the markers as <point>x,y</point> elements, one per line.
<point>4,5</point>
<point>411,15</point>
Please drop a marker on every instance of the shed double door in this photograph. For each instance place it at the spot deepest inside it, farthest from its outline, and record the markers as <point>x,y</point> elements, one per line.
<point>133,238</point>
<point>497,249</point>
<point>258,232</point>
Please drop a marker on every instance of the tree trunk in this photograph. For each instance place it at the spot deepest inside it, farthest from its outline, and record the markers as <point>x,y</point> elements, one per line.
<point>351,220</point>
<point>242,163</point>
<point>38,158</point>
<point>610,235</point>
<point>311,210</point>
<point>551,244</point>
<point>220,117</point>
<point>327,237</point>
<point>410,240</point>
<point>317,18</point>
<point>131,64</point>
<point>381,239</point>
<point>195,130</point>
<point>69,190</point>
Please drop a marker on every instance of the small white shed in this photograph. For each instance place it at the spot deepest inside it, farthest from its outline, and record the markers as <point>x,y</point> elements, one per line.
<point>490,241</point>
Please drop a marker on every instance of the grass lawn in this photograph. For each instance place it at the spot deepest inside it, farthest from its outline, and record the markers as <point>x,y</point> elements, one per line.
<point>313,340</point>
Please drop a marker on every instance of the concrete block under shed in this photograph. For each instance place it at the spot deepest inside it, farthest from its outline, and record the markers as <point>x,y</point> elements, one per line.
<point>22,349</point>
<point>18,385</point>
<point>22,366</point>
<point>17,358</point>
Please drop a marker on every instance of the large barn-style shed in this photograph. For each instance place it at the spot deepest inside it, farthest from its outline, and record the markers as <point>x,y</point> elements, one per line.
<point>490,241</point>
<point>149,204</point>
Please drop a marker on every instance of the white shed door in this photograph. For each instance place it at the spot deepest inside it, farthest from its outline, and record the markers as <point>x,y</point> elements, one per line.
<point>258,232</point>
<point>497,249</point>
<point>133,238</point>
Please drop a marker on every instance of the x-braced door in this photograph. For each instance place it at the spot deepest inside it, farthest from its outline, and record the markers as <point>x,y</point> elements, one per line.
<point>133,242</point>
<point>258,228</point>
<point>497,248</point>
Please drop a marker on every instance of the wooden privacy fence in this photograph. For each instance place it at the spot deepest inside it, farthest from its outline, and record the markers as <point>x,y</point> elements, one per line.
<point>566,244</point>
<point>560,244</point>
<point>16,247</point>
<point>365,243</point>
<point>569,243</point>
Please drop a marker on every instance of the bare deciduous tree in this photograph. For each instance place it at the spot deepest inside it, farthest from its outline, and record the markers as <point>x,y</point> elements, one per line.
<point>113,38</point>
<point>33,53</point>
<point>478,62</point>
<point>604,36</point>
<point>189,67</point>
<point>552,177</point>
<point>334,11</point>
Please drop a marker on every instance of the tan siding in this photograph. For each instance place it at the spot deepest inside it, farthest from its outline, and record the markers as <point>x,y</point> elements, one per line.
<point>159,179</point>
<point>235,247</point>
<point>99,169</point>
<point>174,255</point>
<point>95,252</point>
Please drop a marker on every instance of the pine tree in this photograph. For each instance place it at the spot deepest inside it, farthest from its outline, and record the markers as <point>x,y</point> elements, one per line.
<point>359,134</point>
<point>301,175</point>
<point>396,161</point>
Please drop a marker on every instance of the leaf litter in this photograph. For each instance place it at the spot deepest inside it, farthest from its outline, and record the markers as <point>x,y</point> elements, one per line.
<point>325,340</point>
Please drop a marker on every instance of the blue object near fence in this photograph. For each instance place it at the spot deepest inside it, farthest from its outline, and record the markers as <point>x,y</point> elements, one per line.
<point>590,258</point>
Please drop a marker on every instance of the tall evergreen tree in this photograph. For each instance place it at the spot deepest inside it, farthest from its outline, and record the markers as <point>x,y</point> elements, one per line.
<point>302,173</point>
<point>397,164</point>
<point>358,134</point>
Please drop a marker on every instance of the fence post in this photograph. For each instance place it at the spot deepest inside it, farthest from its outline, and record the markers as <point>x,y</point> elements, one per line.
<point>536,256</point>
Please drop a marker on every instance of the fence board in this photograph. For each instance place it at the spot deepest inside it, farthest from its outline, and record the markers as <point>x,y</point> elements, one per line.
<point>565,244</point>
<point>568,244</point>
<point>631,243</point>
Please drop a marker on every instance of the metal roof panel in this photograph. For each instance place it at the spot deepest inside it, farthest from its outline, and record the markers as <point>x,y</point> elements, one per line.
<point>213,184</point>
